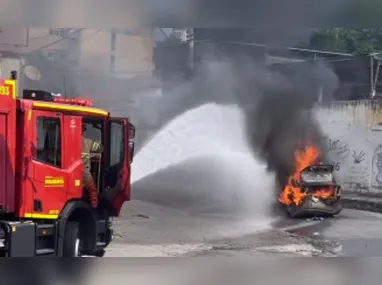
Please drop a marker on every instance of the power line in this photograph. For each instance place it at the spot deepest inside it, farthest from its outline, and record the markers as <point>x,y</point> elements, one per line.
<point>65,38</point>
<point>54,42</point>
<point>265,46</point>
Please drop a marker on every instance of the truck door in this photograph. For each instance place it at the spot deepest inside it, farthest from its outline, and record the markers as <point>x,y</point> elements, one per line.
<point>48,178</point>
<point>118,170</point>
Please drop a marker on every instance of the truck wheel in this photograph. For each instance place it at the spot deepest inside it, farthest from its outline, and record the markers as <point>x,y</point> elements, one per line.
<point>71,240</point>
<point>100,253</point>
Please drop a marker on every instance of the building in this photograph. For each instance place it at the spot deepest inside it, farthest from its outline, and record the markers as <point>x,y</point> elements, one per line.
<point>118,51</point>
<point>98,50</point>
<point>78,61</point>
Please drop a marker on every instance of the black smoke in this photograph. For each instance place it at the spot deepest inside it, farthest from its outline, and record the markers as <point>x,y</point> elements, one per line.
<point>277,100</point>
<point>272,15</point>
<point>282,118</point>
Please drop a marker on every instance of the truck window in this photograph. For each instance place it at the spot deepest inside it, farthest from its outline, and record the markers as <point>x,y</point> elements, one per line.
<point>93,131</point>
<point>116,144</point>
<point>49,141</point>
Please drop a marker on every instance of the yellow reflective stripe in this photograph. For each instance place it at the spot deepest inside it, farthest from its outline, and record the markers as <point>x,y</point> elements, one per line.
<point>40,216</point>
<point>63,107</point>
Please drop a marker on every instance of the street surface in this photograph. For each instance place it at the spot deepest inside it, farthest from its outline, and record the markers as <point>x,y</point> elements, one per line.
<point>228,271</point>
<point>352,233</point>
<point>150,230</point>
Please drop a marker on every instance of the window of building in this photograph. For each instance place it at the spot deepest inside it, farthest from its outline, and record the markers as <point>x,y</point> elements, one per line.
<point>48,143</point>
<point>62,32</point>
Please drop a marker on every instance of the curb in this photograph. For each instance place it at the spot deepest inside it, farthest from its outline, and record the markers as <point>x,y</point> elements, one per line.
<point>362,204</point>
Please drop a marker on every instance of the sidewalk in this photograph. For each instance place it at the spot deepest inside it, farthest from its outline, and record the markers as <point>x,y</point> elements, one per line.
<point>361,202</point>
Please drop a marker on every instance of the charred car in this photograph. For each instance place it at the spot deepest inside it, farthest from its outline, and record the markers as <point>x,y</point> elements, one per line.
<point>316,193</point>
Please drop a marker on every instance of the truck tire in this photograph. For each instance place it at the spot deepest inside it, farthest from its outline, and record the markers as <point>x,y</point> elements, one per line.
<point>100,253</point>
<point>71,240</point>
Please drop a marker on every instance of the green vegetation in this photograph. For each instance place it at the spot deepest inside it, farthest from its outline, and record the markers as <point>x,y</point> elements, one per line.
<point>355,41</point>
<point>362,41</point>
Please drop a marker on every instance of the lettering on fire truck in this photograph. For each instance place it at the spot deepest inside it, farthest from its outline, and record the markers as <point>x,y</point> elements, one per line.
<point>51,181</point>
<point>5,90</point>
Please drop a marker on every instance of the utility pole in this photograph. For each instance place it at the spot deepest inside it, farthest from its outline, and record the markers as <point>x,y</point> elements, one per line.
<point>190,42</point>
<point>113,43</point>
<point>374,57</point>
<point>371,76</point>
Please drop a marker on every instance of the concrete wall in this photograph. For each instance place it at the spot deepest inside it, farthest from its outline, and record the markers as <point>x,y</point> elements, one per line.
<point>24,40</point>
<point>133,52</point>
<point>353,132</point>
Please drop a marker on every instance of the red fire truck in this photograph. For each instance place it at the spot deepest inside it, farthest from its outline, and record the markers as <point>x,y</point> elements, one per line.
<point>44,210</point>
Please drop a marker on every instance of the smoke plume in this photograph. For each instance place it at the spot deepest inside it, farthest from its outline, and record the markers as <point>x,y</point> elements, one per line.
<point>277,101</point>
<point>281,117</point>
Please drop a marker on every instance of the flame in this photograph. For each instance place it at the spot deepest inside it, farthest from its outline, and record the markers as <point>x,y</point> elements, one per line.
<point>324,193</point>
<point>303,158</point>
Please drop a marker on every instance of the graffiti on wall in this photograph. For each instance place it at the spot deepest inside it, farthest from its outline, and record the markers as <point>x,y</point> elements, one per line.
<point>336,165</point>
<point>339,149</point>
<point>377,168</point>
<point>352,165</point>
<point>357,174</point>
<point>358,157</point>
<point>337,152</point>
<point>357,125</point>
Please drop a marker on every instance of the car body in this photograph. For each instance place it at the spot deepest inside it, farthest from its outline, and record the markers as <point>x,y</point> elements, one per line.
<point>316,179</point>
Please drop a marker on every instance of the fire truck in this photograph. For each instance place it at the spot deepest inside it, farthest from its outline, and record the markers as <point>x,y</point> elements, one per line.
<point>44,210</point>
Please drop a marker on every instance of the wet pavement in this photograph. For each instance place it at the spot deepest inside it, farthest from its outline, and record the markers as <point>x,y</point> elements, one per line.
<point>149,230</point>
<point>352,233</point>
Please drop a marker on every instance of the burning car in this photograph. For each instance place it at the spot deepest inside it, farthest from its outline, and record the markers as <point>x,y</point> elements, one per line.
<point>312,189</point>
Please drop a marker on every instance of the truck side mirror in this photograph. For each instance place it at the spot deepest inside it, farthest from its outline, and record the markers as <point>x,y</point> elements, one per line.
<point>131,131</point>
<point>131,150</point>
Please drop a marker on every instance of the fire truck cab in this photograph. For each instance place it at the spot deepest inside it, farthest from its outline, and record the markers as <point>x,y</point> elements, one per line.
<point>44,210</point>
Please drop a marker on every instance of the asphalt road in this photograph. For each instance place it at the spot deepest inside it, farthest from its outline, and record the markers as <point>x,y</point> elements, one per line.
<point>221,271</point>
<point>147,229</point>
<point>151,230</point>
<point>353,233</point>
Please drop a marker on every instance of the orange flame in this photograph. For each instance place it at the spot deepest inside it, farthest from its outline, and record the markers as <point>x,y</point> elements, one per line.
<point>324,193</point>
<point>292,194</point>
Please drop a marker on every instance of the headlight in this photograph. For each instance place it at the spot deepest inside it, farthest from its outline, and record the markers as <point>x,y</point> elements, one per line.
<point>317,177</point>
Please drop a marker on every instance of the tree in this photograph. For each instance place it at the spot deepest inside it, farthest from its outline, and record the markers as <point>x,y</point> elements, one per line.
<point>363,41</point>
<point>354,41</point>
